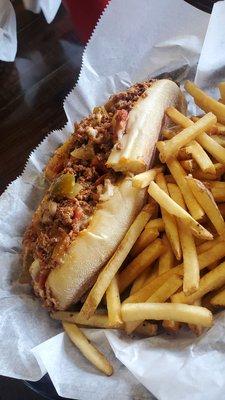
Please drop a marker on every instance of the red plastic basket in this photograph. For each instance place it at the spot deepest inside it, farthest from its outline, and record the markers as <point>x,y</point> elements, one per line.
<point>84,15</point>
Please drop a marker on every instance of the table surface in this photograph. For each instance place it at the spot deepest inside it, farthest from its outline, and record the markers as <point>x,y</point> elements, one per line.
<point>32,90</point>
<point>13,389</point>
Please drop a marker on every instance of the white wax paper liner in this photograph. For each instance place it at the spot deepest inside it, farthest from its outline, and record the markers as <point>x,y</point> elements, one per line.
<point>130,43</point>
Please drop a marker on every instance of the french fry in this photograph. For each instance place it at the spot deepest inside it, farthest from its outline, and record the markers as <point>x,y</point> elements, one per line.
<point>219,139</point>
<point>219,168</point>
<point>190,259</point>
<point>169,221</point>
<point>193,148</point>
<point>222,209</point>
<point>176,195</point>
<point>221,87</point>
<point>102,321</point>
<point>139,282</point>
<point>152,285</point>
<point>97,320</point>
<point>171,147</point>
<point>216,253</point>
<point>217,128</point>
<point>153,273</point>
<point>206,102</point>
<point>211,255</point>
<point>113,303</point>
<point>168,133</point>
<point>147,329</point>
<point>166,260</point>
<point>196,329</point>
<point>212,147</point>
<point>213,131</point>
<point>144,260</point>
<point>198,241</point>
<point>209,244</point>
<point>175,312</point>
<point>170,206</point>
<point>179,118</point>
<point>147,236</point>
<point>143,179</point>
<point>160,296</point>
<point>156,223</point>
<point>109,271</point>
<point>206,301</point>
<point>212,266</point>
<point>203,139</point>
<point>90,352</point>
<point>206,200</point>
<point>184,154</point>
<point>201,157</point>
<point>179,175</point>
<point>218,191</point>
<point>217,184</point>
<point>210,281</point>
<point>189,165</point>
<point>219,298</point>
<point>169,179</point>
<point>220,128</point>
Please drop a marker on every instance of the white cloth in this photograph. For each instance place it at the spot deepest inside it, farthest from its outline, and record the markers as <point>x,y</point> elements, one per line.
<point>48,7</point>
<point>8,39</point>
<point>8,34</point>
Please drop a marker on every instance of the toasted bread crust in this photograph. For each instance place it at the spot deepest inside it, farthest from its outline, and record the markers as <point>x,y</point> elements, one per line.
<point>93,246</point>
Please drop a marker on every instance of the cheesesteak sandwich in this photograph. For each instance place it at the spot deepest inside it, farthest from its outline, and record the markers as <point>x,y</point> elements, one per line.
<point>90,202</point>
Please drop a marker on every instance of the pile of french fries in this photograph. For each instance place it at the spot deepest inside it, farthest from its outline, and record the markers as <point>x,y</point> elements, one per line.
<point>170,265</point>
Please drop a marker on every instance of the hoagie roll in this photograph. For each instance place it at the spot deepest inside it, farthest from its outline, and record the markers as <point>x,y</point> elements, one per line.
<point>90,202</point>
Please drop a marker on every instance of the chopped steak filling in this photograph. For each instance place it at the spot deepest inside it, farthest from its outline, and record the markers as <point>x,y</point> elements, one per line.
<point>79,180</point>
